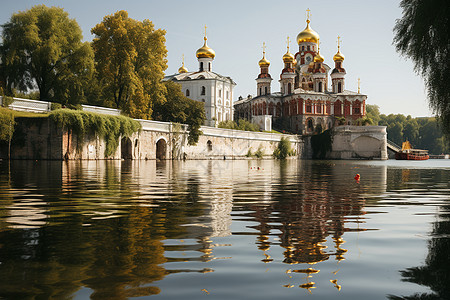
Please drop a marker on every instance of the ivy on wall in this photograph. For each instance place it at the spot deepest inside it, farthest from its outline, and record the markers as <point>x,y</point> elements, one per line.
<point>110,128</point>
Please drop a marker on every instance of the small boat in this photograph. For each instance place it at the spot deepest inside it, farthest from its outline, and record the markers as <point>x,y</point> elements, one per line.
<point>408,153</point>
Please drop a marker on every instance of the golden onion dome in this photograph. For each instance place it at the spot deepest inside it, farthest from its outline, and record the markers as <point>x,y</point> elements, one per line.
<point>182,69</point>
<point>307,35</point>
<point>264,62</point>
<point>338,56</point>
<point>319,58</point>
<point>205,51</point>
<point>288,57</point>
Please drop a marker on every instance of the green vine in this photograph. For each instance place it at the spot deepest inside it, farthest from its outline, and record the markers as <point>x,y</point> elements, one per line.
<point>321,144</point>
<point>108,127</point>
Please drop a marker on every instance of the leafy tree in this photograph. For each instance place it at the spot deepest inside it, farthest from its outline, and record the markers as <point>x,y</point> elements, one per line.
<point>395,132</point>
<point>180,109</point>
<point>422,35</point>
<point>373,113</point>
<point>42,49</point>
<point>130,61</point>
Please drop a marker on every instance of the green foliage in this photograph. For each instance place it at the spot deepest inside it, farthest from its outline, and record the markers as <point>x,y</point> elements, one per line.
<point>180,109</point>
<point>130,61</point>
<point>283,149</point>
<point>6,124</point>
<point>260,152</point>
<point>422,133</point>
<point>55,106</point>
<point>7,101</point>
<point>241,124</point>
<point>322,144</point>
<point>422,35</point>
<point>340,120</point>
<point>42,48</point>
<point>110,128</point>
<point>373,113</point>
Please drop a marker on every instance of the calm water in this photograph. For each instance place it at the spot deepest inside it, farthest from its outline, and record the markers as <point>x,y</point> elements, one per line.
<point>225,230</point>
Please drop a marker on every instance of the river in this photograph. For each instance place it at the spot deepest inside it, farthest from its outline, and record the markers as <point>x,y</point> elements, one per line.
<point>244,229</point>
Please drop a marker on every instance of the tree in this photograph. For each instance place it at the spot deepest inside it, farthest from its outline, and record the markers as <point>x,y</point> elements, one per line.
<point>373,112</point>
<point>180,109</point>
<point>422,35</point>
<point>130,61</point>
<point>42,49</point>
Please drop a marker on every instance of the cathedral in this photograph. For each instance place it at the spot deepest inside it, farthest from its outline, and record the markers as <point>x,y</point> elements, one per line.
<point>307,102</point>
<point>204,85</point>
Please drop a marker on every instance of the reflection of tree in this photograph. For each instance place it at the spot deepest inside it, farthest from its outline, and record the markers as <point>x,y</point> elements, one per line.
<point>96,234</point>
<point>436,272</point>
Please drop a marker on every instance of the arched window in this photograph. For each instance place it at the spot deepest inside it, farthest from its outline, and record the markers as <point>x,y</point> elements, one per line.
<point>339,87</point>
<point>201,66</point>
<point>289,88</point>
<point>265,90</point>
<point>209,66</point>
<point>209,145</point>
<point>320,86</point>
<point>187,93</point>
<point>203,91</point>
<point>260,91</point>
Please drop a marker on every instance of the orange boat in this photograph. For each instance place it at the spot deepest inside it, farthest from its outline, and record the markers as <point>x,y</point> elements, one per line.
<point>408,153</point>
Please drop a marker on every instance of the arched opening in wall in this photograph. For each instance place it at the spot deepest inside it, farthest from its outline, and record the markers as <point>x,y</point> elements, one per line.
<point>209,66</point>
<point>161,149</point>
<point>265,90</point>
<point>209,145</point>
<point>339,90</point>
<point>289,88</point>
<point>203,91</point>
<point>260,91</point>
<point>320,86</point>
<point>188,93</point>
<point>309,125</point>
<point>201,66</point>
<point>126,148</point>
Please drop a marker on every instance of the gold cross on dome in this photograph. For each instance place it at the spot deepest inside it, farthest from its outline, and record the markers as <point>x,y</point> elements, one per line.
<point>308,14</point>
<point>359,85</point>
<point>264,47</point>
<point>288,42</point>
<point>183,59</point>
<point>205,32</point>
<point>339,42</point>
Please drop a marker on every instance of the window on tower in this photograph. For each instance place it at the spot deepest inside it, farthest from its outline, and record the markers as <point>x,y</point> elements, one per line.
<point>308,108</point>
<point>320,86</point>
<point>307,48</point>
<point>303,48</point>
<point>265,90</point>
<point>203,91</point>
<point>187,93</point>
<point>339,87</point>
<point>201,66</point>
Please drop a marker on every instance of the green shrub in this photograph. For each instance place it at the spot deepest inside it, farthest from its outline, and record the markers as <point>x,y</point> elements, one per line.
<point>321,144</point>
<point>7,101</point>
<point>6,124</point>
<point>56,106</point>
<point>284,149</point>
<point>260,152</point>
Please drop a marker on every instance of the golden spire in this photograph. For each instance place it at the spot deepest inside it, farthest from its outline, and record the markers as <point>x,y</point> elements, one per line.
<point>205,51</point>
<point>288,42</point>
<point>359,85</point>
<point>318,57</point>
<point>182,69</point>
<point>339,56</point>
<point>264,62</point>
<point>308,15</point>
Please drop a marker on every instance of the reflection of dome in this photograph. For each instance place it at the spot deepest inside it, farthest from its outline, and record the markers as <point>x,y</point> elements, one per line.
<point>307,35</point>
<point>205,51</point>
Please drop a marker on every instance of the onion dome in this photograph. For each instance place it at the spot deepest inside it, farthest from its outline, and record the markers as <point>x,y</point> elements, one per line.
<point>264,62</point>
<point>339,56</point>
<point>318,57</point>
<point>205,51</point>
<point>288,57</point>
<point>307,35</point>
<point>182,69</point>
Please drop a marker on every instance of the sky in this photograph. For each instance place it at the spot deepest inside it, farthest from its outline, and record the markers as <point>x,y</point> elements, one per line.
<point>237,29</point>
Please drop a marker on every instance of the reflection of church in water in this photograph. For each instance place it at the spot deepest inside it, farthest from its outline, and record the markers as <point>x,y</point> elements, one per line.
<point>304,98</point>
